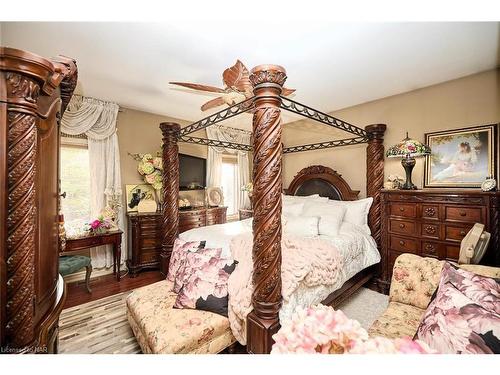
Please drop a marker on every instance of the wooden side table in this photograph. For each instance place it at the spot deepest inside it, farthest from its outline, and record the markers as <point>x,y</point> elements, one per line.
<point>111,238</point>
<point>245,213</point>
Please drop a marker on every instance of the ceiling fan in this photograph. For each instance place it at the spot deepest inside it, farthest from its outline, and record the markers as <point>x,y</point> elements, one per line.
<point>237,87</point>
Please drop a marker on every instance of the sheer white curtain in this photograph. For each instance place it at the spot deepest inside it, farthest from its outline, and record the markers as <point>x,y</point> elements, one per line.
<point>97,120</point>
<point>214,159</point>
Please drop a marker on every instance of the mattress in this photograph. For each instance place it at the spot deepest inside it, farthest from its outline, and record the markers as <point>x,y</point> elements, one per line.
<point>358,251</point>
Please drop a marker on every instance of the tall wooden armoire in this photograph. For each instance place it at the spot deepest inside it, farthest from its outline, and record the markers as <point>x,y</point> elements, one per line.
<point>34,93</point>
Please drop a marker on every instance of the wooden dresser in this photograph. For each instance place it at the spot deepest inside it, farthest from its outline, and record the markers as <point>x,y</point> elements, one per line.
<point>432,223</point>
<point>144,236</point>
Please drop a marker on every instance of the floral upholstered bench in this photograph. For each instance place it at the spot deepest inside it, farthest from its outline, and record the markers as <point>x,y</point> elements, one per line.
<point>414,280</point>
<point>162,329</point>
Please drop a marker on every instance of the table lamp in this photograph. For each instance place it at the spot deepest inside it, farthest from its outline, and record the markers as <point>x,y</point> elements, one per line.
<point>408,149</point>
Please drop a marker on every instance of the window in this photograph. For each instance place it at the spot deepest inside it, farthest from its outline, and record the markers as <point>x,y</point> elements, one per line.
<point>229,183</point>
<point>75,181</point>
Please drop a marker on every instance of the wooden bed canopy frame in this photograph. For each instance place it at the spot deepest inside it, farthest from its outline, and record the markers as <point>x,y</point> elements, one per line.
<point>268,150</point>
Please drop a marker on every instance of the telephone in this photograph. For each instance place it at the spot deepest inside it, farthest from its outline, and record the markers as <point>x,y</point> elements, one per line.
<point>474,245</point>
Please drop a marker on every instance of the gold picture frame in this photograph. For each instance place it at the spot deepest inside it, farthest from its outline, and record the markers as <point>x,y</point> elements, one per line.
<point>461,158</point>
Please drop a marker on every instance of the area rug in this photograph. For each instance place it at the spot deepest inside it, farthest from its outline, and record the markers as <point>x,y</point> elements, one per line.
<point>101,326</point>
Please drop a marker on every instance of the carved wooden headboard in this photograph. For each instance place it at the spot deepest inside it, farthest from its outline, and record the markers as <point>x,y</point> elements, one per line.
<point>324,181</point>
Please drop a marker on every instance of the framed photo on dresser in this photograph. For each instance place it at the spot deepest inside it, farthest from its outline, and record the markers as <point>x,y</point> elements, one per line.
<point>461,158</point>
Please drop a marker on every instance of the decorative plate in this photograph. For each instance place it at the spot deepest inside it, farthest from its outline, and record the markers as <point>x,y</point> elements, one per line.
<point>215,196</point>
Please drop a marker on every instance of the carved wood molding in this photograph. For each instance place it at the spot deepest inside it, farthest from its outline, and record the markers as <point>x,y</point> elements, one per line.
<point>263,321</point>
<point>68,84</point>
<point>170,191</point>
<point>327,174</point>
<point>375,176</point>
<point>27,77</point>
<point>439,198</point>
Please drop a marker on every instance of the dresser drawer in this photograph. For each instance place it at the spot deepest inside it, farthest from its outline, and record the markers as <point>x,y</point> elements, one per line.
<point>430,230</point>
<point>468,214</point>
<point>402,209</point>
<point>431,249</point>
<point>402,226</point>
<point>406,245</point>
<point>456,233</point>
<point>149,242</point>
<point>150,255</point>
<point>430,211</point>
<point>452,252</point>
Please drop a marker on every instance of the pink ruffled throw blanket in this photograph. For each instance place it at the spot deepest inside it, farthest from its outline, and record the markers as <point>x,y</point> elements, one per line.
<point>306,262</point>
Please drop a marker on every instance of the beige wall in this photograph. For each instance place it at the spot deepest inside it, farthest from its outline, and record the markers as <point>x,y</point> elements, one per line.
<point>139,132</point>
<point>468,101</point>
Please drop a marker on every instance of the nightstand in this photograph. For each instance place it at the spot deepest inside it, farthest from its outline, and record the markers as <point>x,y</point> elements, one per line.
<point>245,213</point>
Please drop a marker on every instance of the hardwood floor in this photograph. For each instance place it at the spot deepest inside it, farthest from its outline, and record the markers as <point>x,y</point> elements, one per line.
<point>105,286</point>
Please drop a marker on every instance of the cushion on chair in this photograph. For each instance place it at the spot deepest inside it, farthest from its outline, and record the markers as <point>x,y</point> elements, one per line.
<point>397,321</point>
<point>414,280</point>
<point>159,328</point>
<point>72,263</point>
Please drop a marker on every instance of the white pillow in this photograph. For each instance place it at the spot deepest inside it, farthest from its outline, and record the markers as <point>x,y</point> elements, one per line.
<point>329,225</point>
<point>330,217</point>
<point>301,226</point>
<point>291,197</point>
<point>291,209</point>
<point>357,211</point>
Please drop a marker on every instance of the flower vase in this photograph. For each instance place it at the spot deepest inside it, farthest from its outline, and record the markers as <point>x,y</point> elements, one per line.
<point>159,195</point>
<point>251,200</point>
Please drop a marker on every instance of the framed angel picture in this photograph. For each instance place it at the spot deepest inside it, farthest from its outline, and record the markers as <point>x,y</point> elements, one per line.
<point>461,158</point>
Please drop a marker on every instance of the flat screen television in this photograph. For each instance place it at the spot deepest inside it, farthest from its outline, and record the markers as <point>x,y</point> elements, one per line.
<point>192,170</point>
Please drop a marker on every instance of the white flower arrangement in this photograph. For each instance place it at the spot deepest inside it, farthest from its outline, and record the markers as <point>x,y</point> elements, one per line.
<point>150,167</point>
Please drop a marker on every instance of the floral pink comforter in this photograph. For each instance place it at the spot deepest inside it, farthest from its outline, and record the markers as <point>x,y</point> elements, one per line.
<point>309,262</point>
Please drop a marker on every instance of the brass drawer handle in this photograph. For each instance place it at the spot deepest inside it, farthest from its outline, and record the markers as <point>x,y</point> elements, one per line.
<point>463,213</point>
<point>430,211</point>
<point>430,248</point>
<point>401,209</point>
<point>401,226</point>
<point>430,230</point>
<point>462,233</point>
<point>402,243</point>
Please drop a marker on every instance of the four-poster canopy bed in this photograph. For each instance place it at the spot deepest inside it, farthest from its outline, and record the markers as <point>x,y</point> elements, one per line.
<point>268,150</point>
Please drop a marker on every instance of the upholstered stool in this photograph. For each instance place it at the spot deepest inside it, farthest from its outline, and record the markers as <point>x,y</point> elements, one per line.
<point>159,328</point>
<point>69,264</point>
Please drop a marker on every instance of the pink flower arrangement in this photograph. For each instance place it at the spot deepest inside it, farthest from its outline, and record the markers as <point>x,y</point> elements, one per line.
<point>99,225</point>
<point>323,330</point>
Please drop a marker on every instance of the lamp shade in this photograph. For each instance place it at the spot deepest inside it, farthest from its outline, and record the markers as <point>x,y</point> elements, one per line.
<point>408,147</point>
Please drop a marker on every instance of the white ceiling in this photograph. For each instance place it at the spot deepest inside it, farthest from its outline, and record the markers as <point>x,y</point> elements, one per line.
<point>332,65</point>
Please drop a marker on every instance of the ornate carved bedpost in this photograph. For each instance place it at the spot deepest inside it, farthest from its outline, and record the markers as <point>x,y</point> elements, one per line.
<point>375,181</point>
<point>263,321</point>
<point>170,191</point>
<point>375,175</point>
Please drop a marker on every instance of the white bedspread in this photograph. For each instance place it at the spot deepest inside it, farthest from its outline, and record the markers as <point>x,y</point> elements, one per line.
<point>357,249</point>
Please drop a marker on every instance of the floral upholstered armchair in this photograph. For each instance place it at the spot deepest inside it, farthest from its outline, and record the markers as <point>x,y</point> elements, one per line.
<point>414,281</point>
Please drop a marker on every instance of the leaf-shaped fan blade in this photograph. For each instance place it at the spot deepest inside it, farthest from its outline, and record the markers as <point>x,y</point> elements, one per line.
<point>286,92</point>
<point>237,77</point>
<point>213,103</point>
<point>195,86</point>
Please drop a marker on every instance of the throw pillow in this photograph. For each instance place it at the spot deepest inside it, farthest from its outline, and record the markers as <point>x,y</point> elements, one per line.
<point>292,209</point>
<point>179,251</point>
<point>330,216</point>
<point>192,261</point>
<point>205,288</point>
<point>303,226</point>
<point>464,316</point>
<point>356,212</point>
